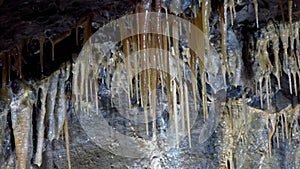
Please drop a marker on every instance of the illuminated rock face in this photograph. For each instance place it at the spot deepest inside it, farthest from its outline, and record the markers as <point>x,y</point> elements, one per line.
<point>254,74</point>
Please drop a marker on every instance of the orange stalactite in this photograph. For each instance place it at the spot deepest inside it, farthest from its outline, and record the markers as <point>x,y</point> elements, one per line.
<point>19,52</point>
<point>4,68</point>
<point>56,39</point>
<point>42,41</point>
<point>143,26</point>
<point>290,5</point>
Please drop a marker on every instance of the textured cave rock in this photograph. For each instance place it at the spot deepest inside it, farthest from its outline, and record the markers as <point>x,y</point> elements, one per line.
<point>24,22</point>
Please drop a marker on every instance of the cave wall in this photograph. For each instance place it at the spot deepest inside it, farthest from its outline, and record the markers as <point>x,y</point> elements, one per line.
<point>258,127</point>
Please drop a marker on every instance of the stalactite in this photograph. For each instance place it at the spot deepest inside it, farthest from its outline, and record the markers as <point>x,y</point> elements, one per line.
<point>82,80</point>
<point>136,67</point>
<point>86,76</point>
<point>75,90</point>
<point>87,29</point>
<point>286,124</point>
<point>4,69</point>
<point>277,137</point>
<point>182,105</point>
<point>275,46</point>
<point>153,86</point>
<point>295,82</point>
<point>193,61</point>
<point>271,131</point>
<point>76,36</point>
<point>175,110</point>
<point>159,43</point>
<point>175,36</point>
<point>282,128</point>
<point>290,5</point>
<point>61,105</point>
<point>20,57</point>
<point>223,28</point>
<point>58,38</point>
<point>232,11</point>
<point>187,112</point>
<point>66,130</point>
<point>126,51</point>
<point>284,36</point>
<point>256,12</point>
<point>281,10</point>
<point>85,22</point>
<point>9,65</point>
<point>145,6</point>
<point>260,81</point>
<point>296,37</point>
<point>40,122</point>
<point>42,41</point>
<point>96,95</point>
<point>267,83</point>
<point>50,105</point>
<point>21,110</point>
<point>205,23</point>
<point>166,63</point>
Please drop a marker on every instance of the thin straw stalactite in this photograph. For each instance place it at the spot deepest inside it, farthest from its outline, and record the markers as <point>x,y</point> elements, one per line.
<point>4,69</point>
<point>143,26</point>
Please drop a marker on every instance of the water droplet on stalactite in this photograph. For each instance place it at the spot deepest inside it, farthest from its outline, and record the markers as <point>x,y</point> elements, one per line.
<point>43,88</point>
<point>50,105</point>
<point>256,12</point>
<point>42,41</point>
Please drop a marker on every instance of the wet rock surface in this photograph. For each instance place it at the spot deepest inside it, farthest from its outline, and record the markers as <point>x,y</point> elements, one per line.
<point>246,131</point>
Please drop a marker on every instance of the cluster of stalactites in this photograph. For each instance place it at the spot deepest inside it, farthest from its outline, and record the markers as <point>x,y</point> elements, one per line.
<point>288,35</point>
<point>51,104</point>
<point>282,126</point>
<point>12,59</point>
<point>9,59</point>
